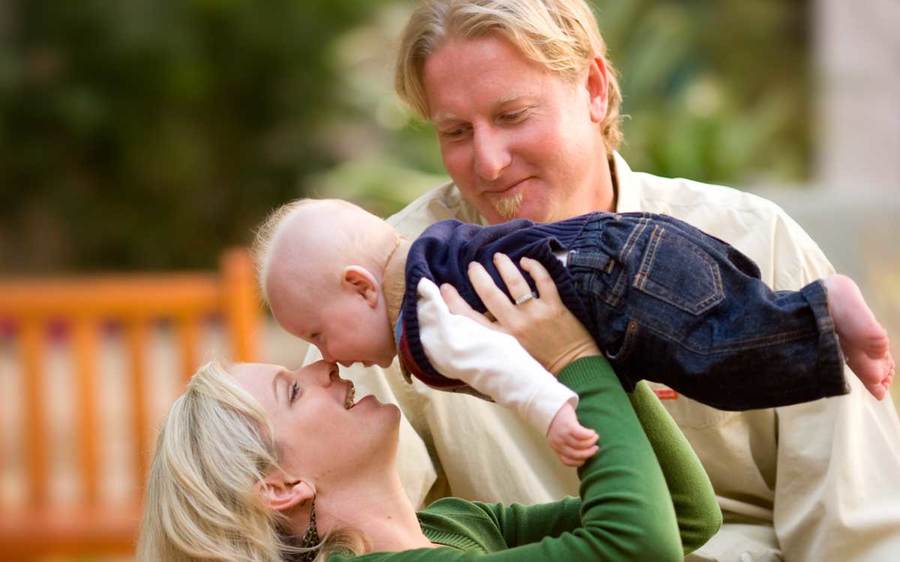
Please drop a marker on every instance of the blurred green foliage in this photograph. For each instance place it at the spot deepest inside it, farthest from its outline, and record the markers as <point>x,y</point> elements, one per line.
<point>152,133</point>
<point>714,90</point>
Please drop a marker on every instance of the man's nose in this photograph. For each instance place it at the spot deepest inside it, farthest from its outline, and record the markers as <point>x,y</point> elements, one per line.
<point>491,154</point>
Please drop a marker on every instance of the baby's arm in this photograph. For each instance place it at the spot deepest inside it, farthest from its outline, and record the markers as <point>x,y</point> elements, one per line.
<point>494,364</point>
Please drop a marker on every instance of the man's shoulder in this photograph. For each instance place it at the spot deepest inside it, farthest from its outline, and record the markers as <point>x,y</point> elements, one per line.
<point>440,203</point>
<point>725,212</point>
<point>786,254</point>
<point>678,196</point>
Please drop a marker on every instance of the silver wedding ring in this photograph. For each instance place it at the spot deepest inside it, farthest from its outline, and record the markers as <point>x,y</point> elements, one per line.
<point>525,298</point>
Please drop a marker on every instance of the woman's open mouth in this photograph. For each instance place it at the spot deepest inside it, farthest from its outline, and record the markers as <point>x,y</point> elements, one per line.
<point>348,398</point>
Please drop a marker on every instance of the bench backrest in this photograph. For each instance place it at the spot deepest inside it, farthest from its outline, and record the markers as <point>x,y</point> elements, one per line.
<point>84,308</point>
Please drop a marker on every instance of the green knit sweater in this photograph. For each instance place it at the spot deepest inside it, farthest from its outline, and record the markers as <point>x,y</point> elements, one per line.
<point>624,513</point>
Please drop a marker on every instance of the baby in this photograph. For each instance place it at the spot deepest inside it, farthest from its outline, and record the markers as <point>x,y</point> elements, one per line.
<point>663,300</point>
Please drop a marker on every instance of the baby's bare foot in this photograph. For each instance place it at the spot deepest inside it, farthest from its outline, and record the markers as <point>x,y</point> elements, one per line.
<point>864,342</point>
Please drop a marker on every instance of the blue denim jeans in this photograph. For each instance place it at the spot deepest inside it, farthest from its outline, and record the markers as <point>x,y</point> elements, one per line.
<point>672,304</point>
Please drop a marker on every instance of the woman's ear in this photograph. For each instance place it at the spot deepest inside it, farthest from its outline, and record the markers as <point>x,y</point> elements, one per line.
<point>280,494</point>
<point>597,83</point>
<point>359,280</point>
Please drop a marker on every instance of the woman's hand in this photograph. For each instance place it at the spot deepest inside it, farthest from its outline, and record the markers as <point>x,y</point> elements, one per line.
<point>542,325</point>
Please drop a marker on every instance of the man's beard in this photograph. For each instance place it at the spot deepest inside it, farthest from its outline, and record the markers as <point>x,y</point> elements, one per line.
<point>508,207</point>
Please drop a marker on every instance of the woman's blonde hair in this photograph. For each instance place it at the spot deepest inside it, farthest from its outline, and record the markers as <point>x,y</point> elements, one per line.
<point>560,35</point>
<point>202,501</point>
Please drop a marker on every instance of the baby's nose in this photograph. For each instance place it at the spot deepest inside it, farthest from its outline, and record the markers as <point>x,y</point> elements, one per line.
<point>328,373</point>
<point>325,355</point>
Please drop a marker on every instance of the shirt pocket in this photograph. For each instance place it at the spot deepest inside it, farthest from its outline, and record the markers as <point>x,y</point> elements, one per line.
<point>677,271</point>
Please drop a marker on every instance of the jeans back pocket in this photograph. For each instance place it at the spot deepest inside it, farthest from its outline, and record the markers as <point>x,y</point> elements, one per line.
<point>676,270</point>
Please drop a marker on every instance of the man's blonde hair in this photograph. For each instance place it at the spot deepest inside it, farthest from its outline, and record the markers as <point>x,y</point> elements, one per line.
<point>560,35</point>
<point>202,501</point>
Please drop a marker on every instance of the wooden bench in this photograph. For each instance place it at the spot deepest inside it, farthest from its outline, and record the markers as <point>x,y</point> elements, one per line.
<point>83,311</point>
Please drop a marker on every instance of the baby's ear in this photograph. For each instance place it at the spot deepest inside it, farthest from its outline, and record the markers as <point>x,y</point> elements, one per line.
<point>361,281</point>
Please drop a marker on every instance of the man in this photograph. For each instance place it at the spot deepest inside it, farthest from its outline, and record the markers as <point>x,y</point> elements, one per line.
<point>525,106</point>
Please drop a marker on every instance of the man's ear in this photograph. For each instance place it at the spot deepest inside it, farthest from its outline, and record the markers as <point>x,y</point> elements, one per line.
<point>597,82</point>
<point>280,494</point>
<point>359,280</point>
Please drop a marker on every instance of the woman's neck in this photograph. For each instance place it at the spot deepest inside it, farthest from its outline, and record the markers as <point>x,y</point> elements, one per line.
<point>379,508</point>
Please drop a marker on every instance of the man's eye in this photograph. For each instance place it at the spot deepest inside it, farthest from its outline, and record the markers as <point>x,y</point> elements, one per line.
<point>295,390</point>
<point>454,133</point>
<point>514,117</point>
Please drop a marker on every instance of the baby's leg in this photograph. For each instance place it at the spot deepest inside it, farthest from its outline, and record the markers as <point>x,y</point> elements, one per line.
<point>573,442</point>
<point>864,342</point>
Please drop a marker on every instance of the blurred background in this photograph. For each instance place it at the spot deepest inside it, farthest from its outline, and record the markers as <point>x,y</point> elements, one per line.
<point>150,135</point>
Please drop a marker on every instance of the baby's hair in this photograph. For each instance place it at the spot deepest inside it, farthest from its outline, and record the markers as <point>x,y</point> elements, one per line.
<point>357,244</point>
<point>265,236</point>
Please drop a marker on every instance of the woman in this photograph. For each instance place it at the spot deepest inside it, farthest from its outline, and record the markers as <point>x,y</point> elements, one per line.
<point>255,462</point>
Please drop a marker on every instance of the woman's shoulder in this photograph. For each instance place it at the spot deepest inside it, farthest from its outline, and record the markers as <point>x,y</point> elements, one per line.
<point>456,524</point>
<point>454,508</point>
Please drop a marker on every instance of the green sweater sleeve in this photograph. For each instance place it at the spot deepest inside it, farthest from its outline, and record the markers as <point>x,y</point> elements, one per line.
<point>626,513</point>
<point>696,508</point>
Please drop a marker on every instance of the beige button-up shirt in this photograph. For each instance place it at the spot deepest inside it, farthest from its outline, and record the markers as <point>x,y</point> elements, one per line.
<point>817,482</point>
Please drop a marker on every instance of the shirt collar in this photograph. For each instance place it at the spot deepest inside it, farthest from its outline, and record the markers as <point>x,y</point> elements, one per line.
<point>628,194</point>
